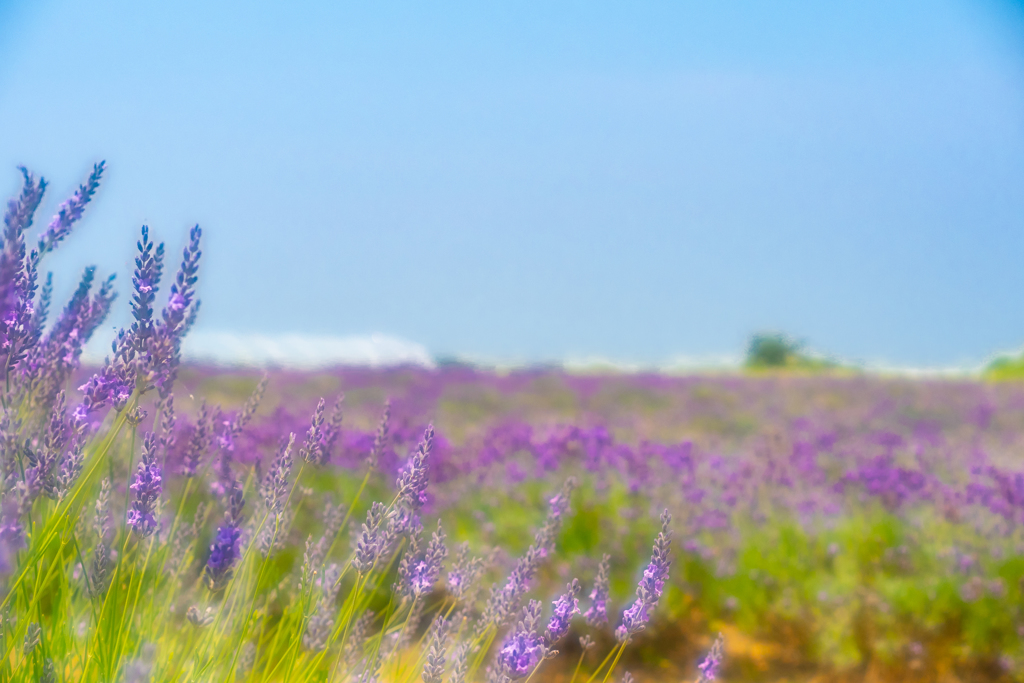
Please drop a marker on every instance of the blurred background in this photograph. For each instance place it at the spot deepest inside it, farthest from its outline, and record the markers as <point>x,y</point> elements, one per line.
<point>564,191</point>
<point>640,185</point>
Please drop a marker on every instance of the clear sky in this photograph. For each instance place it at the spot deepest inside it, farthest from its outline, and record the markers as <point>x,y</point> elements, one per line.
<point>548,179</point>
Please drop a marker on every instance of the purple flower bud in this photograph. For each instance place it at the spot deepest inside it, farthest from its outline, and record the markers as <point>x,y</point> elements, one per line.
<point>433,669</point>
<point>148,267</point>
<point>11,533</point>
<point>419,572</point>
<point>412,480</point>
<point>504,602</point>
<point>380,442</point>
<point>648,591</point>
<point>597,615</point>
<point>147,488</point>
<point>521,653</point>
<point>223,554</point>
<point>564,609</point>
<point>69,212</point>
<point>198,444</point>
<point>464,572</point>
<point>274,488</point>
<point>368,546</point>
<point>709,667</point>
<point>312,450</point>
<point>332,430</point>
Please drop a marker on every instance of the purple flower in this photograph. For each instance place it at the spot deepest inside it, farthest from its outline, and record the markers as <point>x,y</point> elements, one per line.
<point>113,385</point>
<point>11,532</point>
<point>202,435</point>
<point>433,669</point>
<point>418,572</point>
<point>147,487</point>
<point>597,615</point>
<point>178,316</point>
<point>368,545</point>
<point>69,212</point>
<point>332,430</point>
<point>312,450</point>
<point>274,488</point>
<point>564,609</point>
<point>504,602</point>
<point>464,572</point>
<point>233,428</point>
<point>223,554</point>
<point>521,653</point>
<point>412,480</point>
<point>380,442</point>
<point>18,276</point>
<point>48,365</point>
<point>648,591</point>
<point>709,667</point>
<point>148,267</point>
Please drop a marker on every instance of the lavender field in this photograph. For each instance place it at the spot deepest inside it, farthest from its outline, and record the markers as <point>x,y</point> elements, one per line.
<point>834,528</point>
<point>167,522</point>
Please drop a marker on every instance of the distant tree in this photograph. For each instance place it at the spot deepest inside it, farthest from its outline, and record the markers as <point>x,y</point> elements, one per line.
<point>772,351</point>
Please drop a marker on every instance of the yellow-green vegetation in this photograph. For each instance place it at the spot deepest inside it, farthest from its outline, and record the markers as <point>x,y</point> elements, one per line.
<point>1005,368</point>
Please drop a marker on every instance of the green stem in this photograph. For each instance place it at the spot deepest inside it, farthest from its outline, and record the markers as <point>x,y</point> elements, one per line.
<point>605,661</point>
<point>579,663</point>
<point>622,648</point>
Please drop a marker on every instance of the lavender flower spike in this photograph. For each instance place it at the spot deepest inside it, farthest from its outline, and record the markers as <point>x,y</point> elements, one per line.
<point>709,667</point>
<point>332,428</point>
<point>147,488</point>
<point>412,481</point>
<point>368,545</point>
<point>69,213</point>
<point>597,615</point>
<point>223,554</point>
<point>565,608</point>
<point>504,601</point>
<point>464,572</point>
<point>312,450</point>
<point>433,669</point>
<point>524,648</point>
<point>177,318</point>
<point>202,435</point>
<point>148,267</point>
<point>274,488</point>
<point>421,571</point>
<point>648,591</point>
<point>380,442</point>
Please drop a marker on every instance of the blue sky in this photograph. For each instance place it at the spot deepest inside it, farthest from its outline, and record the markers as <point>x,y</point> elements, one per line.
<point>542,180</point>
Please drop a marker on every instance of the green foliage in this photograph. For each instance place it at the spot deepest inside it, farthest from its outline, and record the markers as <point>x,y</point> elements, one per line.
<point>772,351</point>
<point>775,351</point>
<point>1005,368</point>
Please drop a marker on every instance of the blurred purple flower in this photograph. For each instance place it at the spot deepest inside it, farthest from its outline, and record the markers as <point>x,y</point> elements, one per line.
<point>597,614</point>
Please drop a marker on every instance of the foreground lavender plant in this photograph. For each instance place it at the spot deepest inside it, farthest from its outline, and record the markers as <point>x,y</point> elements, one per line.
<point>433,670</point>
<point>147,487</point>
<point>564,609</point>
<point>214,593</point>
<point>649,590</point>
<point>505,601</point>
<point>524,649</point>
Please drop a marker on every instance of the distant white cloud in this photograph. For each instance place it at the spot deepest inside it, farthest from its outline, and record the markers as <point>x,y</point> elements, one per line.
<point>674,365</point>
<point>302,351</point>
